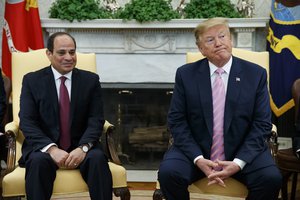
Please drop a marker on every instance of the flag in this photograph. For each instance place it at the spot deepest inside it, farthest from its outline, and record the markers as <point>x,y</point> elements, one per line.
<point>22,30</point>
<point>283,44</point>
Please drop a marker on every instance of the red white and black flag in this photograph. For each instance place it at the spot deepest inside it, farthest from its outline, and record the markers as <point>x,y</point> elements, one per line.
<point>22,30</point>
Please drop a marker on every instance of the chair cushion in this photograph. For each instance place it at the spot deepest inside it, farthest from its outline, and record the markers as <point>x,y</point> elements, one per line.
<point>233,188</point>
<point>287,160</point>
<point>119,175</point>
<point>66,182</point>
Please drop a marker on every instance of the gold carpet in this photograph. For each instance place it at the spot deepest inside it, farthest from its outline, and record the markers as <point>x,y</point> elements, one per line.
<point>142,195</point>
<point>144,191</point>
<point>138,193</point>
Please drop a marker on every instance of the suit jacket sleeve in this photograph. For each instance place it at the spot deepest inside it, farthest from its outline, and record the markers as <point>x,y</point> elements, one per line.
<point>93,114</point>
<point>178,118</point>
<point>296,145</point>
<point>254,142</point>
<point>296,138</point>
<point>2,99</point>
<point>31,122</point>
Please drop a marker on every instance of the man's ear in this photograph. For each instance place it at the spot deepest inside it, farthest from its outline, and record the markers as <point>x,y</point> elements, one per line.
<point>200,49</point>
<point>49,54</point>
<point>231,38</point>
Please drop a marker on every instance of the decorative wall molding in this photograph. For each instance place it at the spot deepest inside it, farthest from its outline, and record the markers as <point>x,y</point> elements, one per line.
<point>133,52</point>
<point>136,37</point>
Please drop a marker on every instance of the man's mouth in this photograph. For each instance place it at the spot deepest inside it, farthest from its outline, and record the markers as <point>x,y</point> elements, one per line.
<point>67,64</point>
<point>220,50</point>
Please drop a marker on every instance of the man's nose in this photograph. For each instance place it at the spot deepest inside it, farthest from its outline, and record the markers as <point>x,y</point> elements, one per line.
<point>218,41</point>
<point>68,56</point>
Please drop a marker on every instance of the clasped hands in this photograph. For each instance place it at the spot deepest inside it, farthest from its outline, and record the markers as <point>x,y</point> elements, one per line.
<point>228,168</point>
<point>66,160</point>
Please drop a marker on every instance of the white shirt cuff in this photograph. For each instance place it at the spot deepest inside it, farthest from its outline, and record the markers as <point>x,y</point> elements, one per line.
<point>45,149</point>
<point>240,163</point>
<point>197,158</point>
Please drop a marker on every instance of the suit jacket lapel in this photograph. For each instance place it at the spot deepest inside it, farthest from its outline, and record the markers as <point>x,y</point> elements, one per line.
<point>74,92</point>
<point>204,85</point>
<point>233,91</point>
<point>50,84</point>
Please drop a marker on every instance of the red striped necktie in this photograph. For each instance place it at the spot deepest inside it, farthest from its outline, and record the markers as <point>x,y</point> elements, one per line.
<point>64,111</point>
<point>218,95</point>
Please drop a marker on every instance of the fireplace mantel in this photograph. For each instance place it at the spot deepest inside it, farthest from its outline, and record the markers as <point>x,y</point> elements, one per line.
<point>133,52</point>
<point>173,24</point>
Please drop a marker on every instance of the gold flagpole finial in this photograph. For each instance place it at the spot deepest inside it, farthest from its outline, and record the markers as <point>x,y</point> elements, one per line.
<point>31,4</point>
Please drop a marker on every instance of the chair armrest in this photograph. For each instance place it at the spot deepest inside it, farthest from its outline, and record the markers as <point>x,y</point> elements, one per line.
<point>11,133</point>
<point>273,141</point>
<point>13,127</point>
<point>110,147</point>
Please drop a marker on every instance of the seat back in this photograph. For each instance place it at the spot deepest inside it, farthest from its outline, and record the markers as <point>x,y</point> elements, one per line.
<point>25,62</point>
<point>260,58</point>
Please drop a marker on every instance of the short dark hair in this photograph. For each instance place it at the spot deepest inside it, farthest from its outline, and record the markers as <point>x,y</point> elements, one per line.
<point>50,43</point>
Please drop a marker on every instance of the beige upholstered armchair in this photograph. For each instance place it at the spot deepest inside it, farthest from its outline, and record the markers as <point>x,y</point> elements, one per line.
<point>67,181</point>
<point>233,187</point>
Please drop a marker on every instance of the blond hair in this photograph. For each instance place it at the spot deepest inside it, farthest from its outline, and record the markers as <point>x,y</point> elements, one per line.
<point>201,28</point>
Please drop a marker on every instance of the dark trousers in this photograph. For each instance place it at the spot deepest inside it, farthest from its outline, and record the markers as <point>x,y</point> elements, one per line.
<point>3,148</point>
<point>41,173</point>
<point>177,172</point>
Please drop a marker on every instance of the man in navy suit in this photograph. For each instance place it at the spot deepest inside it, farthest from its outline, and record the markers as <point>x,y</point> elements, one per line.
<point>42,152</point>
<point>247,122</point>
<point>2,101</point>
<point>296,145</point>
<point>296,137</point>
<point>2,113</point>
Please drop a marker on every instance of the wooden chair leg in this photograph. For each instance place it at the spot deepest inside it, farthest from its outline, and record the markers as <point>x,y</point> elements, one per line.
<point>284,187</point>
<point>294,185</point>
<point>122,192</point>
<point>158,195</point>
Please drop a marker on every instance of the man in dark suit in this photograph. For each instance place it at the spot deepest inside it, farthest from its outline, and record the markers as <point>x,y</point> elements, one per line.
<point>2,101</point>
<point>296,138</point>
<point>41,115</point>
<point>296,146</point>
<point>245,121</point>
<point>3,150</point>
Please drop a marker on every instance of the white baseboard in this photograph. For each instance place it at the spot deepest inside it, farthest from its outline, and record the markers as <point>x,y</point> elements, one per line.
<point>284,142</point>
<point>141,175</point>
